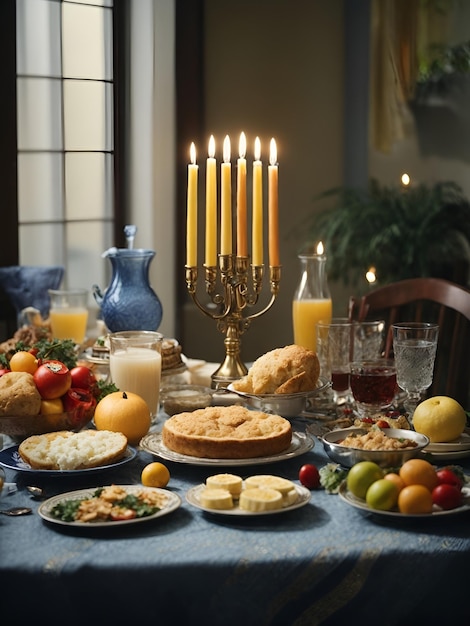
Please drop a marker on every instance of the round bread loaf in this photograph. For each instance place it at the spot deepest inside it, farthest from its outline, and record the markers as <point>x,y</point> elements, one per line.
<point>65,450</point>
<point>19,395</point>
<point>227,432</point>
<point>292,369</point>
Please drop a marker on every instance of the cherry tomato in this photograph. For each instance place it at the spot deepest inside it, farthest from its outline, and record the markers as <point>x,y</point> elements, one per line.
<point>309,476</point>
<point>82,377</point>
<point>447,496</point>
<point>80,402</point>
<point>52,379</point>
<point>382,424</point>
<point>446,476</point>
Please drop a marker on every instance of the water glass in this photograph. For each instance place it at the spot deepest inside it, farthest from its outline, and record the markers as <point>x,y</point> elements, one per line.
<point>335,345</point>
<point>135,364</point>
<point>414,347</point>
<point>373,385</point>
<point>68,313</point>
<point>369,339</point>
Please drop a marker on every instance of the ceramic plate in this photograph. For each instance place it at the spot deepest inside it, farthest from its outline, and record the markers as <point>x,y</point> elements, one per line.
<point>447,456</point>
<point>301,443</point>
<point>173,501</point>
<point>303,497</point>
<point>11,458</point>
<point>457,445</point>
<point>358,503</point>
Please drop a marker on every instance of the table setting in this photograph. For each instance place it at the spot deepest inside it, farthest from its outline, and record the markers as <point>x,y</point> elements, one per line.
<point>146,535</point>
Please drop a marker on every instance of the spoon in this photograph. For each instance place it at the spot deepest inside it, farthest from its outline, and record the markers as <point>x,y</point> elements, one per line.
<point>37,492</point>
<point>16,510</point>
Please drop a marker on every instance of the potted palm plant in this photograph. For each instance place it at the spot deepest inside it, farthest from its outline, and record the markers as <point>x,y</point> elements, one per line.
<point>402,231</point>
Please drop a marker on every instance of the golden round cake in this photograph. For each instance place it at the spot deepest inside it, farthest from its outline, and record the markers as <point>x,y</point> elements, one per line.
<point>227,432</point>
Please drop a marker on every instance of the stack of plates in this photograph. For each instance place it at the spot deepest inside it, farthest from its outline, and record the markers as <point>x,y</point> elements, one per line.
<point>456,449</point>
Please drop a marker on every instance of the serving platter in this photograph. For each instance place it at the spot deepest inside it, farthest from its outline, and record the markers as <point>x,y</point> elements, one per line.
<point>173,501</point>
<point>192,497</point>
<point>301,442</point>
<point>10,457</point>
<point>457,445</point>
<point>360,504</point>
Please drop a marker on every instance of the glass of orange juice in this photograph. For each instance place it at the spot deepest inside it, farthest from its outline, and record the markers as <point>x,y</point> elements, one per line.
<point>69,313</point>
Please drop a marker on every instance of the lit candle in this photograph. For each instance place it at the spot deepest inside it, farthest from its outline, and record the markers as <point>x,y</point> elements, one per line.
<point>241,198</point>
<point>191,218</point>
<point>211,207</point>
<point>226,201</point>
<point>257,206</point>
<point>320,248</point>
<point>405,180</point>
<point>273,205</point>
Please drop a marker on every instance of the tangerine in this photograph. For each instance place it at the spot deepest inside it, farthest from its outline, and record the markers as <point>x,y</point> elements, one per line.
<point>155,475</point>
<point>124,412</point>
<point>415,500</point>
<point>395,478</point>
<point>23,361</point>
<point>418,472</point>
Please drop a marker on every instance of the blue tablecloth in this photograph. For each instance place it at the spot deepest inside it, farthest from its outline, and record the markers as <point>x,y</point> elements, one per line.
<point>326,563</point>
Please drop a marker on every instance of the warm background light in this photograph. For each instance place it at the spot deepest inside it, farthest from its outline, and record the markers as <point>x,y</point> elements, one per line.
<point>405,180</point>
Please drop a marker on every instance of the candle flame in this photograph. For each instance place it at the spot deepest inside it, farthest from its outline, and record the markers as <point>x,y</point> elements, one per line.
<point>257,149</point>
<point>242,145</point>
<point>320,248</point>
<point>370,275</point>
<point>192,153</point>
<point>405,180</point>
<point>211,151</point>
<point>227,149</point>
<point>272,152</point>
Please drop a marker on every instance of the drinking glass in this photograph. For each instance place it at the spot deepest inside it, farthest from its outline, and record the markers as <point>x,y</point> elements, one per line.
<point>135,364</point>
<point>414,347</point>
<point>68,313</point>
<point>335,344</point>
<point>369,340</point>
<point>373,385</point>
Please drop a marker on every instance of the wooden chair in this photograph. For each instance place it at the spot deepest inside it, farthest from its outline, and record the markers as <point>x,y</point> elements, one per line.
<point>430,300</point>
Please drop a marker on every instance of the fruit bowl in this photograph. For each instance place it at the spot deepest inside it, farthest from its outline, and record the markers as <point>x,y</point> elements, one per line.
<point>19,427</point>
<point>347,456</point>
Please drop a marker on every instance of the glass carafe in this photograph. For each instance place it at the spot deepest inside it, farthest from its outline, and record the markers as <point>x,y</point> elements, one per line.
<point>312,300</point>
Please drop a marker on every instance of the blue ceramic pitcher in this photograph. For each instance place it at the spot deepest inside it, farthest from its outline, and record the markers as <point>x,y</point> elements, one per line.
<point>129,302</point>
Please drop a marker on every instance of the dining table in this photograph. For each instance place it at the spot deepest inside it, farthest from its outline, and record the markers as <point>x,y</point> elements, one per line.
<point>326,562</point>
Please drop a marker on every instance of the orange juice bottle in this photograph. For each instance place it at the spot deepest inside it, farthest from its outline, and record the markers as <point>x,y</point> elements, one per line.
<point>312,300</point>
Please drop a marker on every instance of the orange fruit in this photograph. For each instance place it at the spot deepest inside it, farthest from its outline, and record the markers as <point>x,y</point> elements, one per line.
<point>155,475</point>
<point>418,472</point>
<point>49,407</point>
<point>395,478</point>
<point>23,361</point>
<point>415,500</point>
<point>124,412</point>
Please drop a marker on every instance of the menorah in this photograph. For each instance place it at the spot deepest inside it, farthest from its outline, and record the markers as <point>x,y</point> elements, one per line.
<point>227,279</point>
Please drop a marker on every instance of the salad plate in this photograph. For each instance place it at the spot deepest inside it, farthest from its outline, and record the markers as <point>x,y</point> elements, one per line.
<point>192,497</point>
<point>10,457</point>
<point>360,504</point>
<point>301,443</point>
<point>171,502</point>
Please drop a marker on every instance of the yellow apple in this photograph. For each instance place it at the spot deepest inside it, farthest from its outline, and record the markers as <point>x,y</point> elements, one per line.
<point>440,418</point>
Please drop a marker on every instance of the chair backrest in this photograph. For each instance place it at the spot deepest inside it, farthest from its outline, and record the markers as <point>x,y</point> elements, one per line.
<point>430,300</point>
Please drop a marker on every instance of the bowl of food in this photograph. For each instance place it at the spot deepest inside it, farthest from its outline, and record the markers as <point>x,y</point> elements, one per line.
<point>388,447</point>
<point>283,404</point>
<point>19,427</point>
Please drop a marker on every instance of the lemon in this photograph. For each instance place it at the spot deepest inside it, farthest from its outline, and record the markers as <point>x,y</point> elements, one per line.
<point>155,475</point>
<point>440,418</point>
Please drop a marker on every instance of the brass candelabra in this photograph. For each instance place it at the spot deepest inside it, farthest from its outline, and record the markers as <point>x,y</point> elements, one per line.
<point>233,301</point>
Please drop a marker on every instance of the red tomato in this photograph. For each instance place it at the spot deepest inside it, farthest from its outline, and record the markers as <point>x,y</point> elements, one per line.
<point>382,424</point>
<point>309,476</point>
<point>446,476</point>
<point>447,496</point>
<point>52,379</point>
<point>80,402</point>
<point>4,370</point>
<point>82,377</point>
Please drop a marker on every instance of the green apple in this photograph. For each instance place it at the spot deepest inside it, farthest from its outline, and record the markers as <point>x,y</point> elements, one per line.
<point>382,495</point>
<point>361,476</point>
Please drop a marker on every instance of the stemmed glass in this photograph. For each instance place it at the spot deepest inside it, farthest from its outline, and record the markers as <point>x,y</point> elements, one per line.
<point>414,347</point>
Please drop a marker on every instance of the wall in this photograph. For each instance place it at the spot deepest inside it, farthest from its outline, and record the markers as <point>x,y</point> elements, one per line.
<point>274,69</point>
